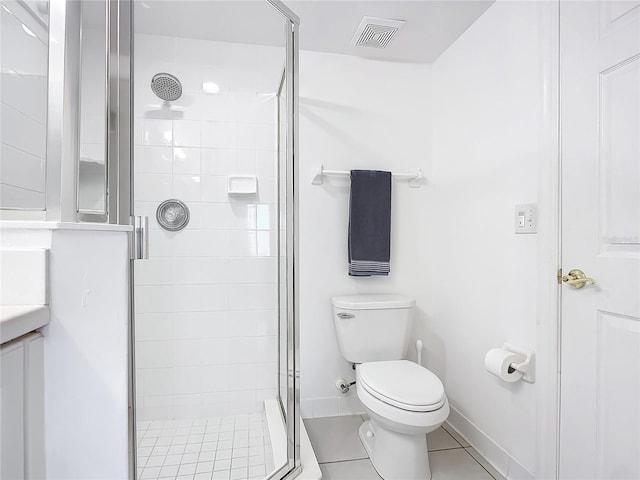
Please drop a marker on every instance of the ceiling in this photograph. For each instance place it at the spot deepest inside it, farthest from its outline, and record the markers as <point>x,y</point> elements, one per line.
<point>329,25</point>
<point>326,25</point>
<point>237,21</point>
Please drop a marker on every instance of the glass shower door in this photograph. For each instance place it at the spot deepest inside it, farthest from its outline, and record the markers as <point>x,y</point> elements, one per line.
<point>213,165</point>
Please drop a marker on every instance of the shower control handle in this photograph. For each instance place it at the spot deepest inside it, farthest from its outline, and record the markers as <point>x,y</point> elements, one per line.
<point>140,237</point>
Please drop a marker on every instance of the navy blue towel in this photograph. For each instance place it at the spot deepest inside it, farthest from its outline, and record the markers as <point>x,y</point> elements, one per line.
<point>369,223</point>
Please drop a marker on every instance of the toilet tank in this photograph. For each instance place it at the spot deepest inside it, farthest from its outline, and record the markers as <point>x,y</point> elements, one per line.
<point>373,327</point>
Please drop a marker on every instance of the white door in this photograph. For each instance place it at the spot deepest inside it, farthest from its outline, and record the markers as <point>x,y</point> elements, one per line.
<point>600,150</point>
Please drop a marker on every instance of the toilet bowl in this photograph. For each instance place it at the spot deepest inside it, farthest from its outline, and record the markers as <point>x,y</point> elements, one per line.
<point>404,400</point>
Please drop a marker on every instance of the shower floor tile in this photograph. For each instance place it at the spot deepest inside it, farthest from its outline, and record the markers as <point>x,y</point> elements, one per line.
<point>232,447</point>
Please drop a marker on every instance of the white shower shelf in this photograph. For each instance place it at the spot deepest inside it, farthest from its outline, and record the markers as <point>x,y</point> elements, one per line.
<point>242,185</point>
<point>415,177</point>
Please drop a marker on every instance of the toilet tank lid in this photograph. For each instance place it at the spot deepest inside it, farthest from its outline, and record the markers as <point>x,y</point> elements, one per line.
<point>372,302</point>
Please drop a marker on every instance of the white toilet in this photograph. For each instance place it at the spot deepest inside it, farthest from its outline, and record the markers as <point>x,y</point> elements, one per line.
<point>404,400</point>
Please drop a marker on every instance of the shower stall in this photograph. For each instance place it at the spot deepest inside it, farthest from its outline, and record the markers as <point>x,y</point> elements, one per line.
<point>213,331</point>
<point>179,118</point>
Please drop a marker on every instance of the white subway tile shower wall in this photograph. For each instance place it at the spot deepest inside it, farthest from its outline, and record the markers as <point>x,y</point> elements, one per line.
<point>206,300</point>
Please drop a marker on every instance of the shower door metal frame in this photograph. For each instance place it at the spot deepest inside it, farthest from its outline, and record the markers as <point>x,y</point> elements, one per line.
<point>63,113</point>
<point>292,417</point>
<point>125,215</point>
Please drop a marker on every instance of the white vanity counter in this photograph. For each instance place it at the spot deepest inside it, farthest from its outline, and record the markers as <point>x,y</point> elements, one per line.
<point>18,320</point>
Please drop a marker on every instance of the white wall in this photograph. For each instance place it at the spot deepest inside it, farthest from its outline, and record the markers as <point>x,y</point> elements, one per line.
<point>206,300</point>
<point>85,348</point>
<point>478,113</point>
<point>354,113</point>
<point>480,282</point>
<point>86,386</point>
<point>23,109</point>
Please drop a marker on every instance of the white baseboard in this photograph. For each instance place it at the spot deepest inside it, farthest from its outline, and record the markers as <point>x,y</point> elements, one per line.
<point>331,406</point>
<point>508,466</point>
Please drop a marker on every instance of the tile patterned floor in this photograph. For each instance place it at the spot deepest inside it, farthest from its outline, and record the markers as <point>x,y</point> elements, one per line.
<point>341,455</point>
<point>219,448</point>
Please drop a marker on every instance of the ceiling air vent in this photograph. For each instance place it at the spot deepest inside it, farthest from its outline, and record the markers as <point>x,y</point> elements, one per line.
<point>376,32</point>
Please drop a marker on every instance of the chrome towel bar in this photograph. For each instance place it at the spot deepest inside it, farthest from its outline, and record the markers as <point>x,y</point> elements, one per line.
<point>415,177</point>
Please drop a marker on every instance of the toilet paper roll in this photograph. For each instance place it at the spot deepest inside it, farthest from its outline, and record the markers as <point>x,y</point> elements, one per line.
<point>497,362</point>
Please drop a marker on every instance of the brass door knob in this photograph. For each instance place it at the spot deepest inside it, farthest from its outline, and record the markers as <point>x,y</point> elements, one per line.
<point>577,278</point>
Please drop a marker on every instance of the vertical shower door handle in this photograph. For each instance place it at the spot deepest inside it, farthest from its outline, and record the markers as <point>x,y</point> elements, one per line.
<point>140,237</point>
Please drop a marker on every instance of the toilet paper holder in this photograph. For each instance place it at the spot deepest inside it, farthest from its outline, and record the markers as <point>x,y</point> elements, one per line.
<point>528,366</point>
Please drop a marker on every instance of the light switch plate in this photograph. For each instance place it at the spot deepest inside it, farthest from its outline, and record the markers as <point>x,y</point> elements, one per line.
<point>526,218</point>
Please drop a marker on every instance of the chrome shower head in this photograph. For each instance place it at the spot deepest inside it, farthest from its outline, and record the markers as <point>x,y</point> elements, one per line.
<point>166,86</point>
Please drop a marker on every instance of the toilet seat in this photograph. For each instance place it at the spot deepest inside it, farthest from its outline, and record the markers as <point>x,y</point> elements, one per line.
<point>402,384</point>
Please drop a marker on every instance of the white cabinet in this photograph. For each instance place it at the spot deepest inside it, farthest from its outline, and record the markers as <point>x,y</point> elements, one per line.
<point>22,408</point>
<point>12,411</point>
<point>34,406</point>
